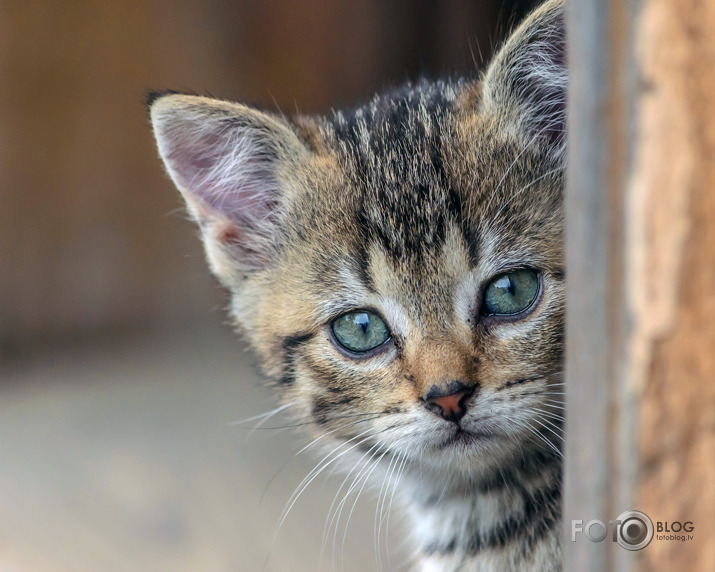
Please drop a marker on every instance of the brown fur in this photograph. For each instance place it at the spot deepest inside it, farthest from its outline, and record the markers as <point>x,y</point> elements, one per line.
<point>408,206</point>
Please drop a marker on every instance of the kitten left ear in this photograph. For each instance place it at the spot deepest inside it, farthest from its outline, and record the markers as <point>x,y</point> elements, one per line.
<point>527,79</point>
<point>234,166</point>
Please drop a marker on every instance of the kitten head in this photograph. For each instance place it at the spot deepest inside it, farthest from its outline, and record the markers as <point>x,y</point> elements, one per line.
<point>399,267</point>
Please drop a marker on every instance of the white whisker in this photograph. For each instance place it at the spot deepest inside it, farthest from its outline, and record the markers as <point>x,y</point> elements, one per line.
<point>267,415</point>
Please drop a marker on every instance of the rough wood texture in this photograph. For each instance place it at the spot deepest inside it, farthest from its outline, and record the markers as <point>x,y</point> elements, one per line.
<point>674,258</point>
<point>641,259</point>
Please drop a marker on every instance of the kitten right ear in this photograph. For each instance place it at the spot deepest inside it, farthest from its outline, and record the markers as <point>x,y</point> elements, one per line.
<point>232,164</point>
<point>527,80</point>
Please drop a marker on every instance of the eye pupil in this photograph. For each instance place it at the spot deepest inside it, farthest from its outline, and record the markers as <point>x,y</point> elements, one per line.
<point>511,288</point>
<point>360,331</point>
<point>510,293</point>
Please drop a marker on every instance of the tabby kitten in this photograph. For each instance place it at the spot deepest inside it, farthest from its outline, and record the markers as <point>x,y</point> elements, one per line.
<point>399,269</point>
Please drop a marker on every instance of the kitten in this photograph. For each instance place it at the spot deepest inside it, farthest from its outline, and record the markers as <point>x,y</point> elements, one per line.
<point>399,269</point>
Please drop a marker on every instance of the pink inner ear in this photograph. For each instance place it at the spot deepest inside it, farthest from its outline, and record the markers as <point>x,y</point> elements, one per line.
<point>200,162</point>
<point>243,248</point>
<point>234,182</point>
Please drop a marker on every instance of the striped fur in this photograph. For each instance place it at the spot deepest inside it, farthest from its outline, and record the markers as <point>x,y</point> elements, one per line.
<point>407,206</point>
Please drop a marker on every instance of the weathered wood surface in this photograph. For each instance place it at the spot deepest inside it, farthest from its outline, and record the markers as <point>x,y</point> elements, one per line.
<point>673,188</point>
<point>641,260</point>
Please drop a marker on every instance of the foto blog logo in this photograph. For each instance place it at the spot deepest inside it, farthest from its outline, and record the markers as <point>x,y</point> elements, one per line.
<point>633,530</point>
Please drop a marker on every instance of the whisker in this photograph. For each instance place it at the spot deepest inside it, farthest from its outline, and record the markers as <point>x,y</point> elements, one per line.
<point>366,479</point>
<point>525,187</point>
<point>551,424</point>
<point>527,426</point>
<point>270,481</point>
<point>339,418</point>
<point>355,482</point>
<point>379,506</point>
<point>328,525</point>
<point>267,415</point>
<point>316,471</point>
<point>389,508</point>
<point>550,414</point>
<point>540,422</point>
<point>265,419</point>
<point>511,166</point>
<point>554,405</point>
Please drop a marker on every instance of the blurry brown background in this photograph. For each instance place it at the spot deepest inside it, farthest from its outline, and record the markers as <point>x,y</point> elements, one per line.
<point>118,376</point>
<point>90,236</point>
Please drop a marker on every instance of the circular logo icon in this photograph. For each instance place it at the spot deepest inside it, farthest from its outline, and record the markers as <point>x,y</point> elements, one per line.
<point>635,531</point>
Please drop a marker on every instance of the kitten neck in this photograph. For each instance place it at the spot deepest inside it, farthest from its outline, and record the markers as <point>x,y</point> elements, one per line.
<point>509,519</point>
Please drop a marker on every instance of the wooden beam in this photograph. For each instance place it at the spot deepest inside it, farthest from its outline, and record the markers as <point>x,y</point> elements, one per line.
<point>641,277</point>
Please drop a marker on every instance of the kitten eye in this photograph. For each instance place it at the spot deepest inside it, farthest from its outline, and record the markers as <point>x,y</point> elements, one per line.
<point>360,331</point>
<point>510,293</point>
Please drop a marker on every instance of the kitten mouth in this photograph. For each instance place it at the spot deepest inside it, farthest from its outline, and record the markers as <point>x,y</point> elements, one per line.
<point>464,437</point>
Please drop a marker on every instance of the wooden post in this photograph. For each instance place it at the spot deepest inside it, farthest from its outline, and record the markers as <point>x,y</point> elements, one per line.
<point>641,277</point>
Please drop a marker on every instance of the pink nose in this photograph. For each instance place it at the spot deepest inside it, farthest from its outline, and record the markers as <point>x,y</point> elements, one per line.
<point>451,407</point>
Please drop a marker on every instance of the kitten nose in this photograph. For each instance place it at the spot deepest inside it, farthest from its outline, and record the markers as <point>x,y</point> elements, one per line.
<point>448,402</point>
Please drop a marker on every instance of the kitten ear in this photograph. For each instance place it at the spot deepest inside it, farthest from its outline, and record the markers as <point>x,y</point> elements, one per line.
<point>232,165</point>
<point>527,80</point>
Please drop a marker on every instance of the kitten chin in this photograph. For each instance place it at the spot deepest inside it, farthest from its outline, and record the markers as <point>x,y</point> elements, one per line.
<point>399,269</point>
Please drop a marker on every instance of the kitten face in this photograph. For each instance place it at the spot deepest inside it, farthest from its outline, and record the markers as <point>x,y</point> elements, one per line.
<point>403,212</point>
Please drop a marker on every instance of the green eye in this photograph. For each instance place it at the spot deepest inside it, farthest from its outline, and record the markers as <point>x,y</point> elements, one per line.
<point>511,293</point>
<point>360,331</point>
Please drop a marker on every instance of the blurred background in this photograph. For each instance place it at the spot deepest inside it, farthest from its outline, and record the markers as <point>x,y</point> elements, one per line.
<point>119,377</point>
